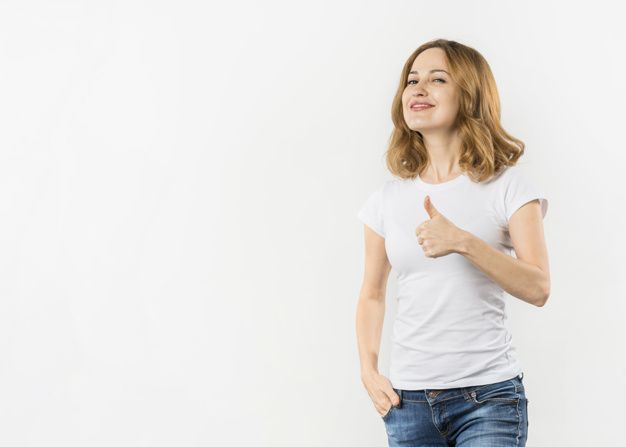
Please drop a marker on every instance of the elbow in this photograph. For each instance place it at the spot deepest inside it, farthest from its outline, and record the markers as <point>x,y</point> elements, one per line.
<point>543,295</point>
<point>542,300</point>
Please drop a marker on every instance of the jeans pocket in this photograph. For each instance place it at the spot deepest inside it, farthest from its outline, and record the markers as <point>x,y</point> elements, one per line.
<point>505,391</point>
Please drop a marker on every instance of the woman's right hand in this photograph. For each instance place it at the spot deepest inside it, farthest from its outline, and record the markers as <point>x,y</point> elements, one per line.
<point>380,391</point>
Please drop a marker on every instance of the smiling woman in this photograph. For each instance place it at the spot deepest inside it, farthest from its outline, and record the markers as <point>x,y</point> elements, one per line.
<point>457,82</point>
<point>447,224</point>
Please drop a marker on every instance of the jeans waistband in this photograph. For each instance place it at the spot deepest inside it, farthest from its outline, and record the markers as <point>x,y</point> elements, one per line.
<point>423,395</point>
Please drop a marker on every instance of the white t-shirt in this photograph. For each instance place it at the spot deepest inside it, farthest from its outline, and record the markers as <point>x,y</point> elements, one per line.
<point>449,329</point>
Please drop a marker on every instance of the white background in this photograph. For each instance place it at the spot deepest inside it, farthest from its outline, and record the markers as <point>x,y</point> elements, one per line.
<point>180,254</point>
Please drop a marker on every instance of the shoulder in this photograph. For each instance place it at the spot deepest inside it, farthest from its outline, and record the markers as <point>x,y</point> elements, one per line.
<point>388,186</point>
<point>510,175</point>
<point>396,184</point>
<point>515,171</point>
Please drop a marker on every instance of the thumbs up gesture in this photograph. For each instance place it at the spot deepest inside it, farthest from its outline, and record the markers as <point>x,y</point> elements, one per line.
<point>437,235</point>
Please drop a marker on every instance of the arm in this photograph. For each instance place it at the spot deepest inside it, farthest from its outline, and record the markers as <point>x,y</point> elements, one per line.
<point>526,277</point>
<point>371,305</point>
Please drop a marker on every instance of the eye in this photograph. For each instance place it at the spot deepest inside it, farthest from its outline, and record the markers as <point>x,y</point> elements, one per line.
<point>437,79</point>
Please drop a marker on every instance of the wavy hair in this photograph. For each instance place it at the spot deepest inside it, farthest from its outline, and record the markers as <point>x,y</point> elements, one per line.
<point>486,148</point>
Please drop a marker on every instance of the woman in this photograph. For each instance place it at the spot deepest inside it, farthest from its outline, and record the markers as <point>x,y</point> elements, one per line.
<point>448,225</point>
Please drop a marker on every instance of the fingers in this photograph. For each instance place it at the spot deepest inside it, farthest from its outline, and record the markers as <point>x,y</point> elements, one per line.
<point>419,229</point>
<point>383,395</point>
<point>384,408</point>
<point>418,233</point>
<point>395,399</point>
<point>386,401</point>
<point>391,394</point>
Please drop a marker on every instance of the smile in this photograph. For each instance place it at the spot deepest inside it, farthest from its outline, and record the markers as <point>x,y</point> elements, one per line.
<point>421,107</point>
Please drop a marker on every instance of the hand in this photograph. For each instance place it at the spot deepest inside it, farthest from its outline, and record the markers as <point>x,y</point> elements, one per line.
<point>381,392</point>
<point>438,236</point>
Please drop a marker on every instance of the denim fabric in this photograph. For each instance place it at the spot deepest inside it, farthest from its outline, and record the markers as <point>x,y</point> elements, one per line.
<point>493,415</point>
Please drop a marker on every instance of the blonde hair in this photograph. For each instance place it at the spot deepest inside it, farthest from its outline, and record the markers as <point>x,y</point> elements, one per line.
<point>486,147</point>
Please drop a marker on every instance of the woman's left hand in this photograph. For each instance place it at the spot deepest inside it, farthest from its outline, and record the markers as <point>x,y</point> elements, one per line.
<point>438,236</point>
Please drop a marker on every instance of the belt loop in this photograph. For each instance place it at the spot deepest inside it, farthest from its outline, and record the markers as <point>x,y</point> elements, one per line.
<point>521,375</point>
<point>400,392</point>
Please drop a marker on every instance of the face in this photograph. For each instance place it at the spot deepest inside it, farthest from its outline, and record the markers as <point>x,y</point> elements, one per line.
<point>435,88</point>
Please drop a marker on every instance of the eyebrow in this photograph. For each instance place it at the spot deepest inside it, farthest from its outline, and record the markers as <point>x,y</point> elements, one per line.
<point>431,71</point>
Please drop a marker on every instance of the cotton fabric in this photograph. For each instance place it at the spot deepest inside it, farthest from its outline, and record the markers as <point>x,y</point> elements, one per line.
<point>449,330</point>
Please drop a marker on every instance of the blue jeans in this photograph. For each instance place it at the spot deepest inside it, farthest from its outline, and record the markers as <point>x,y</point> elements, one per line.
<point>493,415</point>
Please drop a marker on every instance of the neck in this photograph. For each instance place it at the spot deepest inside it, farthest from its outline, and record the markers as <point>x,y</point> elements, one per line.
<point>443,156</point>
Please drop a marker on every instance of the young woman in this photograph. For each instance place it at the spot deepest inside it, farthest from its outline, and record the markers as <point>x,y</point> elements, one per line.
<point>448,225</point>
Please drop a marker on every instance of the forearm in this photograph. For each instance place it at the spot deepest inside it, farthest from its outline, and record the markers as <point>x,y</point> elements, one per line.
<point>370,317</point>
<point>518,278</point>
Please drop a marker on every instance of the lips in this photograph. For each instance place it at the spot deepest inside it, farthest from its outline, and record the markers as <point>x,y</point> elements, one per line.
<point>419,105</point>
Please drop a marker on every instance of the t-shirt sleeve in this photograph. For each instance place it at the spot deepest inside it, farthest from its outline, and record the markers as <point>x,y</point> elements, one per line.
<point>521,190</point>
<point>371,213</point>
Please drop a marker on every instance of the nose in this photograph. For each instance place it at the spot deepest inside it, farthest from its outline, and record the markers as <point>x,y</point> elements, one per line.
<point>418,88</point>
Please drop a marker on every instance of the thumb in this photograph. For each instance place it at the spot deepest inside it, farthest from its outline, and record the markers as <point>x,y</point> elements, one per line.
<point>393,397</point>
<point>430,208</point>
<point>396,399</point>
<point>391,393</point>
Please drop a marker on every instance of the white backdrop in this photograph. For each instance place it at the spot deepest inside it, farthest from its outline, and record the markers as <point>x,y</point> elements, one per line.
<point>179,182</point>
